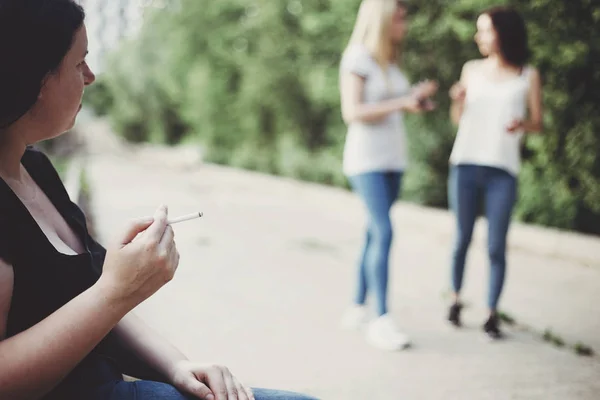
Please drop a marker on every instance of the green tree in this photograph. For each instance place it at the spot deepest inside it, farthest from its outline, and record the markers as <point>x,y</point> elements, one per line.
<point>256,83</point>
<point>560,183</point>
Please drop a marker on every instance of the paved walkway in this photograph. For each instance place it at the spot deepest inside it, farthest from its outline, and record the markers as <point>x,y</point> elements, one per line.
<point>266,273</point>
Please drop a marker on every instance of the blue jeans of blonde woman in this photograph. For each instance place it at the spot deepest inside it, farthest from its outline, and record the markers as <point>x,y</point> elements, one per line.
<point>378,191</point>
<point>468,186</point>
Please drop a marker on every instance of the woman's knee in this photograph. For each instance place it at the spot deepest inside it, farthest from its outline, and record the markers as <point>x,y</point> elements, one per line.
<point>147,390</point>
<point>382,233</point>
<point>497,253</point>
<point>462,243</point>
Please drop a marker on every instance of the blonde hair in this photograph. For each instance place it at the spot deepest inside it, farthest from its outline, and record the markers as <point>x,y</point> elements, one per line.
<point>371,29</point>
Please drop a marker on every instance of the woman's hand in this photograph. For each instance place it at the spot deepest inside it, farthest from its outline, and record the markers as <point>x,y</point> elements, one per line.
<point>410,104</point>
<point>514,125</point>
<point>427,105</point>
<point>208,382</point>
<point>418,100</point>
<point>415,105</point>
<point>136,269</point>
<point>425,89</point>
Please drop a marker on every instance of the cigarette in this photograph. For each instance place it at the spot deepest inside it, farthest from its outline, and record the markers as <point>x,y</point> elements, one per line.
<point>184,218</point>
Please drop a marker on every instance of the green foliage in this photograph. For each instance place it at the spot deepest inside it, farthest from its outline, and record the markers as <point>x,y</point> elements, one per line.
<point>256,83</point>
<point>560,184</point>
<point>99,97</point>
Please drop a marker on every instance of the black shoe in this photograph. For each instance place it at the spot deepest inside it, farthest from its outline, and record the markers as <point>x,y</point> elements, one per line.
<point>491,327</point>
<point>454,314</point>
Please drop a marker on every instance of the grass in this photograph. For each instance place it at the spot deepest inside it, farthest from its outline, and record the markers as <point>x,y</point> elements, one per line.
<point>550,337</point>
<point>579,348</point>
<point>506,318</point>
<point>583,350</point>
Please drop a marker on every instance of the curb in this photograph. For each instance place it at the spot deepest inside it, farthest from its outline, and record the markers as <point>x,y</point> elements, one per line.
<point>547,242</point>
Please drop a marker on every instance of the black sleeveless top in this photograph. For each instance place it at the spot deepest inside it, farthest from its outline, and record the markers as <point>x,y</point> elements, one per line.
<point>44,278</point>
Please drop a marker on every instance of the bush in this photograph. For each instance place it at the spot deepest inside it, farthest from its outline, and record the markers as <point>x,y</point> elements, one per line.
<point>257,85</point>
<point>560,184</point>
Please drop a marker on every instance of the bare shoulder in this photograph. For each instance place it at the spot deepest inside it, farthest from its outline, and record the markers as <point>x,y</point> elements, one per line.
<point>472,64</point>
<point>469,67</point>
<point>533,73</point>
<point>6,290</point>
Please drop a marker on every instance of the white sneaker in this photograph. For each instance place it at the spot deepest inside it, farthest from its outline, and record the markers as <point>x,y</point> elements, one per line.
<point>383,334</point>
<point>354,317</point>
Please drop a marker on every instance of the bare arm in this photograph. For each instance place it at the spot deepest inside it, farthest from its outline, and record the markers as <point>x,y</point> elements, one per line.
<point>534,124</point>
<point>353,107</point>
<point>149,347</point>
<point>33,362</point>
<point>456,110</point>
<point>534,105</point>
<point>458,93</point>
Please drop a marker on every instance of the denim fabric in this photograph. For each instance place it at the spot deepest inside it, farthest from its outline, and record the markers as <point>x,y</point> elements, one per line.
<point>468,185</point>
<point>378,191</point>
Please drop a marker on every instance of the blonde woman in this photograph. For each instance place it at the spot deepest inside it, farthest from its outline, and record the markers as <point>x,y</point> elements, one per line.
<point>374,95</point>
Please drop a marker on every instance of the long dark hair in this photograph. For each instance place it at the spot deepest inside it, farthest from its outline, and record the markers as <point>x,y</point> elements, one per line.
<point>35,36</point>
<point>512,35</point>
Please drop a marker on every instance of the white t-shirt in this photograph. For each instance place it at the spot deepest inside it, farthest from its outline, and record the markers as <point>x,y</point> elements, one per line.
<point>381,145</point>
<point>482,137</point>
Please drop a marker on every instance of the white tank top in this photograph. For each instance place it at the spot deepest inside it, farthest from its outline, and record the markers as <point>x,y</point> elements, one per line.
<point>482,137</point>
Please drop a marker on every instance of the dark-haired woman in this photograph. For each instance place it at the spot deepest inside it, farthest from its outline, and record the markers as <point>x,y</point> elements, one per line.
<point>496,101</point>
<point>66,331</point>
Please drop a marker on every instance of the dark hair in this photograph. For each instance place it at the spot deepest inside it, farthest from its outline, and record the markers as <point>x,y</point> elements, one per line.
<point>35,36</point>
<point>512,35</point>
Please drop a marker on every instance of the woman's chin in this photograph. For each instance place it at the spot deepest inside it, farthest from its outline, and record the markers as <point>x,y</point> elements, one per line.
<point>75,117</point>
<point>71,124</point>
<point>484,51</point>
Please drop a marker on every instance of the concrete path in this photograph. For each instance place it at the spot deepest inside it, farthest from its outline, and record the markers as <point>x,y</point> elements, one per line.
<point>266,273</point>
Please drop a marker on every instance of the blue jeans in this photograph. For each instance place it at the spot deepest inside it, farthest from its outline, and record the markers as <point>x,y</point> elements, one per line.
<point>468,185</point>
<point>378,191</point>
<point>111,386</point>
<point>148,390</point>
